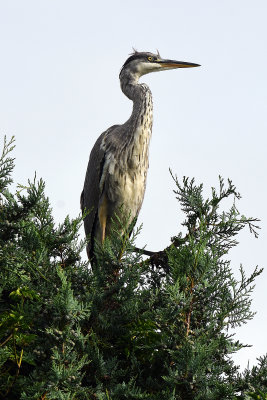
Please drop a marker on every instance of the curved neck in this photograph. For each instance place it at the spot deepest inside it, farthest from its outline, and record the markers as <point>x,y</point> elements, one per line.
<point>129,84</point>
<point>141,96</point>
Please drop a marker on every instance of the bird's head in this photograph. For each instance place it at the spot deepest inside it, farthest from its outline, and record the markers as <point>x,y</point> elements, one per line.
<point>141,63</point>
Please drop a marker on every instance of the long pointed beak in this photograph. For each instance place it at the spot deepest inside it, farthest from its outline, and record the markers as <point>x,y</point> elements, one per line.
<point>176,64</point>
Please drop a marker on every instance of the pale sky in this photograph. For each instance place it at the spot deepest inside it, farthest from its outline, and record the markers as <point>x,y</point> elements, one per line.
<point>60,62</point>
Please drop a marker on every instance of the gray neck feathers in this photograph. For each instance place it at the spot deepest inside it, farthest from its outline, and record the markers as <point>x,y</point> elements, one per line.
<point>137,130</point>
<point>141,96</point>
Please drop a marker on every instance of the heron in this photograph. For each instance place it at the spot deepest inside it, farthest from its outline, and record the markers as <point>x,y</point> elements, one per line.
<point>118,163</point>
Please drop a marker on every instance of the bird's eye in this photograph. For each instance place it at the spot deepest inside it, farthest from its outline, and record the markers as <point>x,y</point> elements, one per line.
<point>150,58</point>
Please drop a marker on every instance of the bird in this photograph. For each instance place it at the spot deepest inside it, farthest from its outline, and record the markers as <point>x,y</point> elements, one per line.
<point>116,175</point>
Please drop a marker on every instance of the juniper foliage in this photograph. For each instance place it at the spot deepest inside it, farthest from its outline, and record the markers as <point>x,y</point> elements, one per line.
<point>134,327</point>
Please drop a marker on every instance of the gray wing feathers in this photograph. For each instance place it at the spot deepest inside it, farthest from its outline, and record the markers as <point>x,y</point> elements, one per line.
<point>91,192</point>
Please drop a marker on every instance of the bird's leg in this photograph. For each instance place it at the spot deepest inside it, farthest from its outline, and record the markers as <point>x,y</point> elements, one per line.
<point>102,215</point>
<point>103,231</point>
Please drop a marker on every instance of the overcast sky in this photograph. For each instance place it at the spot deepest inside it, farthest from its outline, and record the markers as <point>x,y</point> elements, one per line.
<point>60,61</point>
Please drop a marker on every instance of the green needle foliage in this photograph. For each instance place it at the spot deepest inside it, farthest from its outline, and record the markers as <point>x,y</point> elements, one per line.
<point>133,327</point>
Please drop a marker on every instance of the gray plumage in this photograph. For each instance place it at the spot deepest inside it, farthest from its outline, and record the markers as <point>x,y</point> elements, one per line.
<point>118,163</point>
